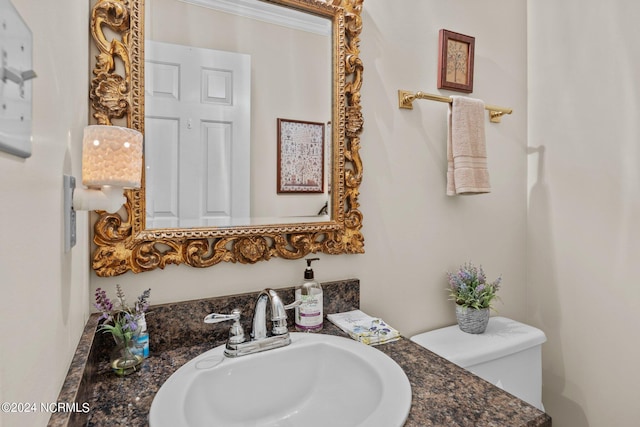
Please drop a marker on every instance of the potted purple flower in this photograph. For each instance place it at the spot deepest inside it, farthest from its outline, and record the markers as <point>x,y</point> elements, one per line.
<point>473,296</point>
<point>123,323</point>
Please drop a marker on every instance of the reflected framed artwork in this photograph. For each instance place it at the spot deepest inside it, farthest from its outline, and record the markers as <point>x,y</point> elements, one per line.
<point>300,156</point>
<point>455,61</point>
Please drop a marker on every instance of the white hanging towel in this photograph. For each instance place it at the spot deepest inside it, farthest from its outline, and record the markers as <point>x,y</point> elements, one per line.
<point>467,171</point>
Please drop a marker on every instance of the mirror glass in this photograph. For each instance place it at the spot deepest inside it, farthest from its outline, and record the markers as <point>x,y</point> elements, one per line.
<point>218,76</point>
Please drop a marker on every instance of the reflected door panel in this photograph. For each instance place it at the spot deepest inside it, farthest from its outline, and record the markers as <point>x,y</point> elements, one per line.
<point>161,169</point>
<point>197,126</point>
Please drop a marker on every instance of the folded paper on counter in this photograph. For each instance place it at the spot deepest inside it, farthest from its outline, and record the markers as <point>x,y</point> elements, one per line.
<point>364,328</point>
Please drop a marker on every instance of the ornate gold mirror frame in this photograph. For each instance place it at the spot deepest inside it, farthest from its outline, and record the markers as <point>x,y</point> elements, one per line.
<point>117,93</point>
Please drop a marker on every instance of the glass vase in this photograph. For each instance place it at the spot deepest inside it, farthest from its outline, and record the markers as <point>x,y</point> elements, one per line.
<point>124,360</point>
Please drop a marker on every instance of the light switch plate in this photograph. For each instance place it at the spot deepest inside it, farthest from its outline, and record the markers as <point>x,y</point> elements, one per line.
<point>69,184</point>
<point>16,46</point>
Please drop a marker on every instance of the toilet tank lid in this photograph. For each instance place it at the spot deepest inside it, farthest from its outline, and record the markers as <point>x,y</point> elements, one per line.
<point>502,337</point>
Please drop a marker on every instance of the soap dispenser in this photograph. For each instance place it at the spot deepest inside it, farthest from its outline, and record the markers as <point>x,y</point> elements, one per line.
<point>309,314</point>
<point>142,339</point>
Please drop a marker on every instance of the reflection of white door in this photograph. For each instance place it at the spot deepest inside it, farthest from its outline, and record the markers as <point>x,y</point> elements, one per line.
<point>197,136</point>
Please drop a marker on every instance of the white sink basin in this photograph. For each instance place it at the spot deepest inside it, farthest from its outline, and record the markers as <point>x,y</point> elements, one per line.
<point>316,381</point>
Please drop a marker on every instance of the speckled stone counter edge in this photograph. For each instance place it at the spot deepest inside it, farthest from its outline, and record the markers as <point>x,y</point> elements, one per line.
<point>78,379</point>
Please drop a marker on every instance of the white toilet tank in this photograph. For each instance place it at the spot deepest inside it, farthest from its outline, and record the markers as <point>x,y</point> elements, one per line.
<point>507,354</point>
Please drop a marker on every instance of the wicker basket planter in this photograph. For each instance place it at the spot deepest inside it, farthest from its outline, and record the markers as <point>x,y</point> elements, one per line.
<point>472,320</point>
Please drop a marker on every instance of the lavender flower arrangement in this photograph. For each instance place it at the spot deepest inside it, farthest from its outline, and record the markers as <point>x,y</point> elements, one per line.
<point>120,319</point>
<point>468,287</point>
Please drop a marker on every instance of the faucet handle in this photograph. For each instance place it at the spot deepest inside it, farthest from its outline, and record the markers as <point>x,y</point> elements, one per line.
<point>236,333</point>
<point>280,321</point>
<point>294,304</point>
<point>217,318</point>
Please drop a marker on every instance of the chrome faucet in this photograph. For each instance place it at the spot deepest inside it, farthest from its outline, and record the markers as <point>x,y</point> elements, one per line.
<point>237,345</point>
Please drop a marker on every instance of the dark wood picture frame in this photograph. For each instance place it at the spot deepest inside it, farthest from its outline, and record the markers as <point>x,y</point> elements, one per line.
<point>300,156</point>
<point>455,61</point>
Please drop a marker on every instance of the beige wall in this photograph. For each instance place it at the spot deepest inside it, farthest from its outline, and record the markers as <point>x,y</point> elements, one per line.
<point>44,292</point>
<point>584,207</point>
<point>413,232</point>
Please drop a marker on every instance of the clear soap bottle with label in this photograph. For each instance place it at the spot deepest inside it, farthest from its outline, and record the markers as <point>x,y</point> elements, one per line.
<point>142,339</point>
<point>309,314</point>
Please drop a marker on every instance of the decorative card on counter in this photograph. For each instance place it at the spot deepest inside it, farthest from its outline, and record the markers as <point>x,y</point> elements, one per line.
<point>364,328</point>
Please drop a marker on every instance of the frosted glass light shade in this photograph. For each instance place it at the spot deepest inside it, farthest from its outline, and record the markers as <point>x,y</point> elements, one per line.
<point>111,155</point>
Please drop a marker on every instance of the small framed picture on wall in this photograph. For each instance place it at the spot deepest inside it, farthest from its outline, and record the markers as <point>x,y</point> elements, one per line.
<point>455,61</point>
<point>300,156</point>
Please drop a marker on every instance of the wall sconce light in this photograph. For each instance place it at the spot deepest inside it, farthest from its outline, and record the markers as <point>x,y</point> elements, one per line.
<point>111,163</point>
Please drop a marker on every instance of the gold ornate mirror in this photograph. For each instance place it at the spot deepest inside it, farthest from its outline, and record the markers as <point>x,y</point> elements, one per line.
<point>117,95</point>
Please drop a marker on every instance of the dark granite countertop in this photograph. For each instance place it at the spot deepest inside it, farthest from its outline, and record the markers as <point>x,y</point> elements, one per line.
<point>443,394</point>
